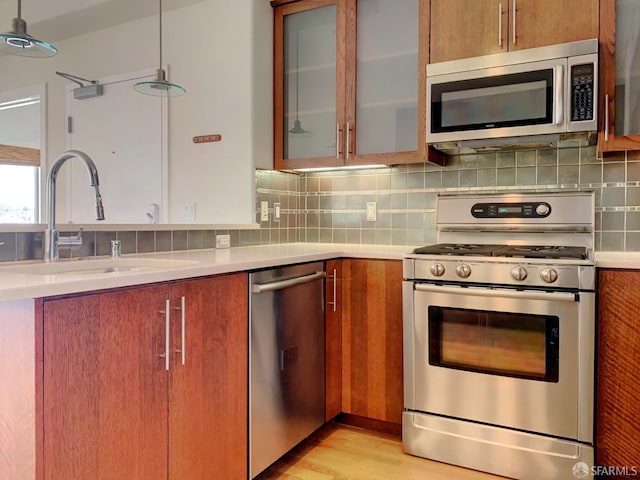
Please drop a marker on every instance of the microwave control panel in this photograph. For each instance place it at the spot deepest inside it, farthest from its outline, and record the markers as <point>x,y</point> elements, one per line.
<point>582,92</point>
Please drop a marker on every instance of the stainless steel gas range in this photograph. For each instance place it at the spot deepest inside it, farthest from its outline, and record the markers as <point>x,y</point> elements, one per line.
<point>499,335</point>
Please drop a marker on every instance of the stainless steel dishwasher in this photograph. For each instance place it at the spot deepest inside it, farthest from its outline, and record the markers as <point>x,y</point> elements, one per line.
<point>287,360</point>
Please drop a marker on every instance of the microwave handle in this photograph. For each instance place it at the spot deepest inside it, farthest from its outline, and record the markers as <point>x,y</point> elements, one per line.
<point>558,101</point>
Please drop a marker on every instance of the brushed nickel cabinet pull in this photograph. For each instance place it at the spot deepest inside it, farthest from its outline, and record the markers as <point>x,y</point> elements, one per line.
<point>500,25</point>
<point>606,117</point>
<point>514,22</point>
<point>338,139</point>
<point>348,142</point>
<point>167,327</point>
<point>334,277</point>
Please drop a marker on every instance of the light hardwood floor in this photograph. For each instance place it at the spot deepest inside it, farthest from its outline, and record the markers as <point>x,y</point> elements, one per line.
<point>341,452</point>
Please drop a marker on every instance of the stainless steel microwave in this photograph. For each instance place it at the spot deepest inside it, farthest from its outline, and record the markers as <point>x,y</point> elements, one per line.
<point>532,96</point>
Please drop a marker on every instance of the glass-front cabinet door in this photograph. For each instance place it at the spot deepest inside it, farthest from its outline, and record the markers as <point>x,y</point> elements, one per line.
<point>347,82</point>
<point>306,84</point>
<point>620,75</point>
<point>385,119</point>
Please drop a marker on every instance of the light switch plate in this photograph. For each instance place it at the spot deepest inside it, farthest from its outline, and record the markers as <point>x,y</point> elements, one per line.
<point>189,211</point>
<point>276,212</point>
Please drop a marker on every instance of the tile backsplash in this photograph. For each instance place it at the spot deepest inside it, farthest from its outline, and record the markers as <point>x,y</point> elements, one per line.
<point>331,206</point>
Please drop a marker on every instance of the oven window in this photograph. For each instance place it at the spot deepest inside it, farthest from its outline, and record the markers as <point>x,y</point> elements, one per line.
<point>496,343</point>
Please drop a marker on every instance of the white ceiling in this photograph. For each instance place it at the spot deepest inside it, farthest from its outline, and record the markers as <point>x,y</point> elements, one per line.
<point>55,20</point>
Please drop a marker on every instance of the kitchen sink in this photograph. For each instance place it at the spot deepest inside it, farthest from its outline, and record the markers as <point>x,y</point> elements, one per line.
<point>105,266</point>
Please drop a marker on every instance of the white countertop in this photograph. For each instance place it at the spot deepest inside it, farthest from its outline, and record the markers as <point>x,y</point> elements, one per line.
<point>14,286</point>
<point>629,260</point>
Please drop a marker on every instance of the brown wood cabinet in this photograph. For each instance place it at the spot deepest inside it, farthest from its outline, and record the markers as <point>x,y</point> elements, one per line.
<point>372,339</point>
<point>322,111</point>
<point>618,357</point>
<point>462,29</point>
<point>112,410</point>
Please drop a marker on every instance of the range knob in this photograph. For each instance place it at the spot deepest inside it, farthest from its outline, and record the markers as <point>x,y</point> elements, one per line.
<point>549,275</point>
<point>437,269</point>
<point>463,270</point>
<point>518,273</point>
<point>542,209</point>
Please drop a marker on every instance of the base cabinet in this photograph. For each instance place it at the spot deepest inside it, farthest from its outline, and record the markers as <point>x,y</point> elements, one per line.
<point>116,407</point>
<point>372,339</point>
<point>618,389</point>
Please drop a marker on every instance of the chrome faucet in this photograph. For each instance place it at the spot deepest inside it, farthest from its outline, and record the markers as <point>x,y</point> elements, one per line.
<point>53,240</point>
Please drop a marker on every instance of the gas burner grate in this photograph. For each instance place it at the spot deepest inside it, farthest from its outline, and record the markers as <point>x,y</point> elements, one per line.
<point>515,251</point>
<point>542,251</point>
<point>456,249</point>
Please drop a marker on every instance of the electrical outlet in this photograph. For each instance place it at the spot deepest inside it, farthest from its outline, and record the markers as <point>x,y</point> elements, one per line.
<point>276,212</point>
<point>264,211</point>
<point>223,241</point>
<point>372,212</point>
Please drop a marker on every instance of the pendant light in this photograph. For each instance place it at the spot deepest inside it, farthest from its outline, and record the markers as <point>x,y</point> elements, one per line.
<point>159,86</point>
<point>18,42</point>
<point>297,129</point>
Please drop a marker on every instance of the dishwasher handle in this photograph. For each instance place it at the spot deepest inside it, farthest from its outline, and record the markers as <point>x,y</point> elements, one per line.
<point>279,285</point>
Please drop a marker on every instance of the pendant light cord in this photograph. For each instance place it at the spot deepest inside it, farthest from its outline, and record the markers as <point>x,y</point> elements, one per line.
<point>160,29</point>
<point>19,8</point>
<point>297,71</point>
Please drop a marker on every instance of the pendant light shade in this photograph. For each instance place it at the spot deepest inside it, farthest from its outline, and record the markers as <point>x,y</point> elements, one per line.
<point>159,86</point>
<point>18,42</point>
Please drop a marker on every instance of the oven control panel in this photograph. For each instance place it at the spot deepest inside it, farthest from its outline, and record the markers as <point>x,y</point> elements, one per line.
<point>450,271</point>
<point>511,210</point>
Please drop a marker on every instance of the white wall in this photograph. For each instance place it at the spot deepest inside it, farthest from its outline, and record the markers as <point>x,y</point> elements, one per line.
<point>221,52</point>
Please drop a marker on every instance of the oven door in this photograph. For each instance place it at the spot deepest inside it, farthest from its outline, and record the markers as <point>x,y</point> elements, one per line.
<point>519,359</point>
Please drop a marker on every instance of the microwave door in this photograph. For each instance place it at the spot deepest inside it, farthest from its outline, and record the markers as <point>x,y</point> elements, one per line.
<point>519,100</point>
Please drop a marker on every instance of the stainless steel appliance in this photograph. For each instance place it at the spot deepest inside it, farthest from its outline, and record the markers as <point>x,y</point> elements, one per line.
<point>536,96</point>
<point>287,360</point>
<point>499,327</point>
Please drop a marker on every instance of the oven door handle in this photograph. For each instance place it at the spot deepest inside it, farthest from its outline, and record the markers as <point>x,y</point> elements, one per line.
<point>504,293</point>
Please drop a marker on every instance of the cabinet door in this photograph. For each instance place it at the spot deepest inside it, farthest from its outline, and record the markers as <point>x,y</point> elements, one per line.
<point>333,336</point>
<point>618,391</point>
<point>105,386</point>
<point>382,98</point>
<point>372,339</point>
<point>536,23</point>
<point>308,83</point>
<point>208,393</point>
<point>463,29</point>
<point>619,75</point>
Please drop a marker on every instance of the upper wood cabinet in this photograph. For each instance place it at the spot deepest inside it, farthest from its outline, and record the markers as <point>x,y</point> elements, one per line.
<point>347,82</point>
<point>463,28</point>
<point>115,406</point>
<point>619,75</point>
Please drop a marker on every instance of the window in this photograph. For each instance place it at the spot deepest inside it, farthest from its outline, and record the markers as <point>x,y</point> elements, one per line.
<point>19,193</point>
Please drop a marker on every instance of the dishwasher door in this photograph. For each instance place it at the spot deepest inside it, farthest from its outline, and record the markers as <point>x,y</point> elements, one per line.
<point>287,360</point>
